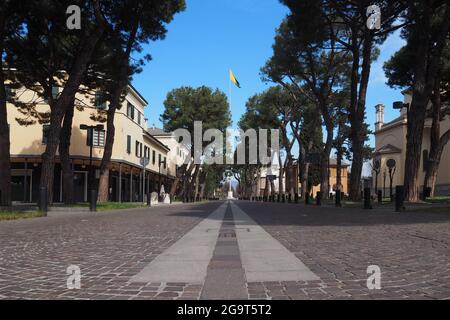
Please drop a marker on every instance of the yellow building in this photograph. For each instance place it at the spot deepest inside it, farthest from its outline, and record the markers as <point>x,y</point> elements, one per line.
<point>132,143</point>
<point>390,144</point>
<point>332,173</point>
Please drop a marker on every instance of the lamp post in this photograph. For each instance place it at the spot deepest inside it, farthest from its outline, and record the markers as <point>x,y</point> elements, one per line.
<point>391,164</point>
<point>92,191</point>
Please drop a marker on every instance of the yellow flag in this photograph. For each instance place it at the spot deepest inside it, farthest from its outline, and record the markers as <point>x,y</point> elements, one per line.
<point>234,80</point>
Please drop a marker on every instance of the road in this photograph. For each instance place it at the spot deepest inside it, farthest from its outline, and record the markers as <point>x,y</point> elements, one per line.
<point>227,250</point>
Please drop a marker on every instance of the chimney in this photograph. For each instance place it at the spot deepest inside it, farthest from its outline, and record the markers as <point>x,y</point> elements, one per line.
<point>380,116</point>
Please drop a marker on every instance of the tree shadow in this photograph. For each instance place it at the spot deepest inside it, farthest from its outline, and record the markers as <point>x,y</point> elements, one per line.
<point>273,214</point>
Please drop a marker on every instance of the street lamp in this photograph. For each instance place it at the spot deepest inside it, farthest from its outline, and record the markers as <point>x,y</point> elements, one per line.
<point>93,192</point>
<point>391,164</point>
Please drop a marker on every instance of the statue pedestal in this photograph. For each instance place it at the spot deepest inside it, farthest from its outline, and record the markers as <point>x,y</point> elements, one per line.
<point>230,195</point>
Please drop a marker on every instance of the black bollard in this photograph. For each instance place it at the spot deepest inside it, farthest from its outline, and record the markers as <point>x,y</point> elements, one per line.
<point>426,193</point>
<point>380,197</point>
<point>296,198</point>
<point>43,201</point>
<point>149,198</point>
<point>306,198</point>
<point>319,198</point>
<point>278,198</point>
<point>367,204</point>
<point>338,199</point>
<point>283,198</point>
<point>289,198</point>
<point>93,201</point>
<point>399,198</point>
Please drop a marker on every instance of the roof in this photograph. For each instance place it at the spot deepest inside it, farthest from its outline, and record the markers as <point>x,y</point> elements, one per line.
<point>158,132</point>
<point>151,137</point>
<point>387,149</point>
<point>134,90</point>
<point>398,119</point>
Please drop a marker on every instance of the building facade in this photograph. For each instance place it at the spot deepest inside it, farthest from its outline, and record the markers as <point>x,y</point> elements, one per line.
<point>390,154</point>
<point>178,155</point>
<point>139,161</point>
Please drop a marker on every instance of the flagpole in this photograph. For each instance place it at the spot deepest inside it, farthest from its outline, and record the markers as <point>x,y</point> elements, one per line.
<point>229,88</point>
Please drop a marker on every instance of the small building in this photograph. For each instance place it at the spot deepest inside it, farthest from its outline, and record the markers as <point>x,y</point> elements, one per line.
<point>390,149</point>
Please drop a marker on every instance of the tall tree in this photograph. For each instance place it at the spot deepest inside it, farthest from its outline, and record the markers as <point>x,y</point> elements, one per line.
<point>307,56</point>
<point>429,46</point>
<point>400,73</point>
<point>50,55</point>
<point>347,22</point>
<point>186,105</point>
<point>11,17</point>
<point>140,21</point>
<point>261,113</point>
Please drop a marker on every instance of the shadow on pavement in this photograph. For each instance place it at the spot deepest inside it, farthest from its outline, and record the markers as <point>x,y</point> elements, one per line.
<point>266,213</point>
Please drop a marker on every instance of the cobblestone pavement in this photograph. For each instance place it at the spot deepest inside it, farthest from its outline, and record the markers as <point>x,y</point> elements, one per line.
<point>108,247</point>
<point>412,249</point>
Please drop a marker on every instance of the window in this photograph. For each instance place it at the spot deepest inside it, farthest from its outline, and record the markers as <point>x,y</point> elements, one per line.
<point>55,92</point>
<point>146,152</point>
<point>130,111</point>
<point>128,144</point>
<point>98,139</point>
<point>425,160</point>
<point>100,100</point>
<point>45,133</point>
<point>159,159</point>
<point>165,163</point>
<point>139,118</point>
<point>10,92</point>
<point>153,156</point>
<point>138,149</point>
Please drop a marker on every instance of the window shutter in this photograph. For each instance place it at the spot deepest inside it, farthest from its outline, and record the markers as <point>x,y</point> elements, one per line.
<point>128,144</point>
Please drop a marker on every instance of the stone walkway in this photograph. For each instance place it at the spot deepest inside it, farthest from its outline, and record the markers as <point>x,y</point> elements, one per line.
<point>224,250</point>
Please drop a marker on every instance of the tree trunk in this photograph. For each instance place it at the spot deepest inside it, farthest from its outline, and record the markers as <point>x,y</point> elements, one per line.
<point>59,108</point>
<point>268,187</point>
<point>426,62</point>
<point>339,171</point>
<point>358,133</point>
<point>432,166</point>
<point>120,86</point>
<point>193,182</point>
<point>325,159</point>
<point>174,188</point>
<point>64,156</point>
<point>203,178</point>
<point>103,185</point>
<point>281,176</point>
<point>186,181</point>
<point>5,165</point>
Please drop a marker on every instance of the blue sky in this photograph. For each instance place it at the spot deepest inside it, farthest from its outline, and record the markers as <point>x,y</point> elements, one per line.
<point>211,37</point>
